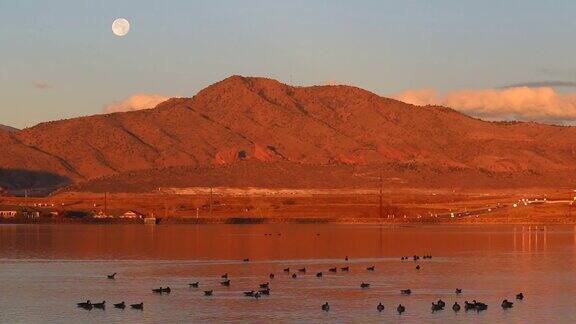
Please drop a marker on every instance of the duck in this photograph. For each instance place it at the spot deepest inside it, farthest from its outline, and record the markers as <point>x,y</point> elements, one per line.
<point>271,276</point>
<point>303,270</point>
<point>86,304</point>
<point>380,307</point>
<point>294,276</point>
<point>249,293</point>
<point>333,269</point>
<point>319,274</point>
<point>157,290</point>
<point>101,305</point>
<point>121,305</point>
<point>441,303</point>
<point>208,292</point>
<point>371,268</point>
<point>265,285</point>
<point>436,307</point>
<point>418,267</point>
<point>112,276</point>
<point>257,295</point>
<point>507,304</point>
<point>286,270</point>
<point>481,306</point>
<point>246,260</point>
<point>520,296</point>
<point>364,285</point>
<point>456,307</point>
<point>326,307</point>
<point>194,284</point>
<point>224,276</point>
<point>345,269</point>
<point>225,283</point>
<point>469,306</point>
<point>400,309</point>
<point>166,290</point>
<point>406,291</point>
<point>346,258</point>
<point>264,291</point>
<point>137,306</point>
<point>458,291</point>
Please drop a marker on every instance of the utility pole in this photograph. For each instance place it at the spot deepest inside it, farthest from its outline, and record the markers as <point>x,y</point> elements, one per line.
<point>381,189</point>
<point>105,203</point>
<point>380,179</point>
<point>210,202</point>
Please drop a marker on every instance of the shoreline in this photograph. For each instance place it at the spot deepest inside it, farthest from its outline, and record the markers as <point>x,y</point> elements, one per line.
<point>527,207</point>
<point>291,220</point>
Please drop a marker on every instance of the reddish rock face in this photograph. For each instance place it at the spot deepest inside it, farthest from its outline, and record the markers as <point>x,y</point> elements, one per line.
<point>256,120</point>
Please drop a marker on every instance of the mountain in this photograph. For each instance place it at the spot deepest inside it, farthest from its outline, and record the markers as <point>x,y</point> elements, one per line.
<point>247,131</point>
<point>24,167</point>
<point>8,129</point>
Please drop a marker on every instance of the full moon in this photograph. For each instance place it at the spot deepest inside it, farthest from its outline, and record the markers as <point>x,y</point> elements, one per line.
<point>120,27</point>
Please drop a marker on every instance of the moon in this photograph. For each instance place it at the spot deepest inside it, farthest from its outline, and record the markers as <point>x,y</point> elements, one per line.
<point>120,27</point>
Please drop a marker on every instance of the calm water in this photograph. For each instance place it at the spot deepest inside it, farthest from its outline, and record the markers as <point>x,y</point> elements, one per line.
<point>45,270</point>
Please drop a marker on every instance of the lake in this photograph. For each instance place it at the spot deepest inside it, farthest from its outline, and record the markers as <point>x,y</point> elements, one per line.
<point>46,269</point>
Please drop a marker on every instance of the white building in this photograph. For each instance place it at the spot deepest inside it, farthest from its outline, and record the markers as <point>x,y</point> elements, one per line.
<point>8,213</point>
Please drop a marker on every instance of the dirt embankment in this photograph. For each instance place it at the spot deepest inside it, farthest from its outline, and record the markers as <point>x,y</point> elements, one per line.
<point>253,205</point>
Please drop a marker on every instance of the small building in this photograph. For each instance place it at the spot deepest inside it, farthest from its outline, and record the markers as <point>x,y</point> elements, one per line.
<point>131,214</point>
<point>31,214</point>
<point>8,213</point>
<point>101,215</point>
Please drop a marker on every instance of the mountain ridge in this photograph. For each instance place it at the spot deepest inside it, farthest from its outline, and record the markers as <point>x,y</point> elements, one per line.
<point>259,120</point>
<point>8,129</point>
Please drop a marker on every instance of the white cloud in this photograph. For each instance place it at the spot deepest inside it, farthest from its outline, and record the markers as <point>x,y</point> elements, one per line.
<point>331,83</point>
<point>542,104</point>
<point>41,85</point>
<point>135,102</point>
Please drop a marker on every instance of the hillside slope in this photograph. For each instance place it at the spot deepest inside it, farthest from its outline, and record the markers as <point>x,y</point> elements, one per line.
<point>9,129</point>
<point>263,122</point>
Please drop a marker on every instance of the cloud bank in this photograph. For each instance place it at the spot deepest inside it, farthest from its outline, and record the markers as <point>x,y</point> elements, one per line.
<point>538,84</point>
<point>41,85</point>
<point>541,104</point>
<point>331,83</point>
<point>135,102</point>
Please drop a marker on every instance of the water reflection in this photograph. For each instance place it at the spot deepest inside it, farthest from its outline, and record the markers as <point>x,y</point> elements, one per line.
<point>275,241</point>
<point>70,263</point>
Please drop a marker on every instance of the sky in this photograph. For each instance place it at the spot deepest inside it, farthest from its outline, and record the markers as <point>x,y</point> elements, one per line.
<point>492,59</point>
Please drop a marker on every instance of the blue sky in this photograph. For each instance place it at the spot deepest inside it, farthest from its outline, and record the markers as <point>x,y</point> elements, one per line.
<point>59,59</point>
